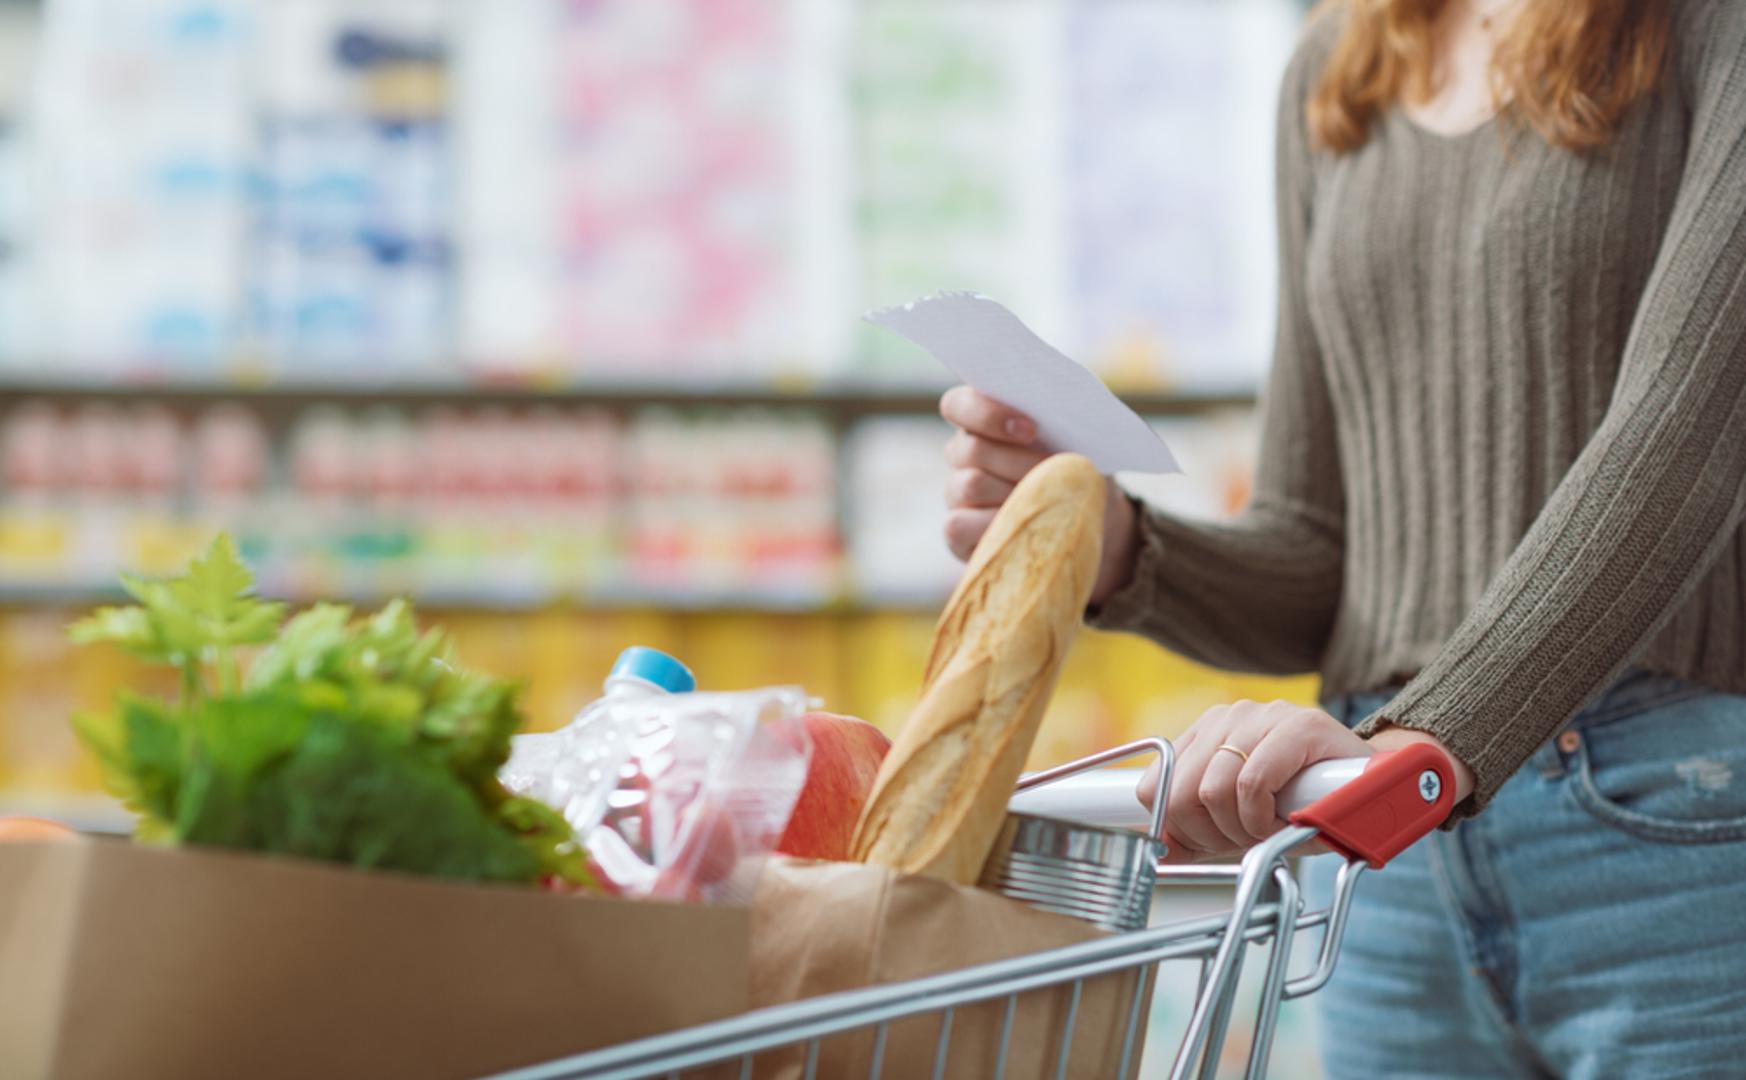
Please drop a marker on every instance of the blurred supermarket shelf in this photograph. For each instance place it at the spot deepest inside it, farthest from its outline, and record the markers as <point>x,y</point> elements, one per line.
<point>676,601</point>
<point>628,188</point>
<point>844,398</point>
<point>469,504</point>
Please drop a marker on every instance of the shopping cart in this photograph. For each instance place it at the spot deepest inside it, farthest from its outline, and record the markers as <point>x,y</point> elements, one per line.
<point>1367,810</point>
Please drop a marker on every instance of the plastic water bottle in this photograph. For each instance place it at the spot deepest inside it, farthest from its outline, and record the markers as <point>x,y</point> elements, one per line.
<point>575,768</point>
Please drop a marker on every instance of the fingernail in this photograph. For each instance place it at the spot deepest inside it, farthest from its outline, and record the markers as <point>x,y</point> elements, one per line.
<point>1021,430</point>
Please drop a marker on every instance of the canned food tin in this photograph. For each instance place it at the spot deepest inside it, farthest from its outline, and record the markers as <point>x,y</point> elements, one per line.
<point>1103,876</point>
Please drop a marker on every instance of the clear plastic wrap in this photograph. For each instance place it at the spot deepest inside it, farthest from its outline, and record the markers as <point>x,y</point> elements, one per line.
<point>673,795</point>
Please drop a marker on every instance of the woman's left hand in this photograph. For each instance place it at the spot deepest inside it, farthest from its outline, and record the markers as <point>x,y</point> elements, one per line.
<point>1221,803</point>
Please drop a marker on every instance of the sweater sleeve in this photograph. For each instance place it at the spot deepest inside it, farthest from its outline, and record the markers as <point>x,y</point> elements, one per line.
<point>1655,495</point>
<point>1259,593</point>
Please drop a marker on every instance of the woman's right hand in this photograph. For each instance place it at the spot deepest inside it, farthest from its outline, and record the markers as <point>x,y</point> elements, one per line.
<point>992,450</point>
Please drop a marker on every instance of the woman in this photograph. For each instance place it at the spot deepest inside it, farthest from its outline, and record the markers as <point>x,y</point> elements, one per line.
<point>1499,509</point>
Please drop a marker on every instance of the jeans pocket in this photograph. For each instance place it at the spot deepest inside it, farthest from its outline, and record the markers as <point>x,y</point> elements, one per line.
<point>1674,773</point>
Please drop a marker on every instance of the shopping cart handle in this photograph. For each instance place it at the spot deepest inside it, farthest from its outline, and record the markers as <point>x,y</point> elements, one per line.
<point>1369,808</point>
<point>1399,796</point>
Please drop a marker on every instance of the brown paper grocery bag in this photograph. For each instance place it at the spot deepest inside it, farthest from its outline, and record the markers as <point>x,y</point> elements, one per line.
<point>123,961</point>
<point>819,928</point>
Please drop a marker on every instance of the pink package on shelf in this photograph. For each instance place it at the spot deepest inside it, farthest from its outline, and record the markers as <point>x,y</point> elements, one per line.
<point>675,160</point>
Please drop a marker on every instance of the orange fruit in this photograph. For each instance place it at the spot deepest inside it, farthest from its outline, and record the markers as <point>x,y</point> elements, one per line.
<point>33,830</point>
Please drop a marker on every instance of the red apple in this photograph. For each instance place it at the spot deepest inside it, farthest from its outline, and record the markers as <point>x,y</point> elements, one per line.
<point>846,754</point>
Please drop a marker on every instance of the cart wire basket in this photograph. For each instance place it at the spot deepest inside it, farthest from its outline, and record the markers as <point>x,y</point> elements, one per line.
<point>1367,810</point>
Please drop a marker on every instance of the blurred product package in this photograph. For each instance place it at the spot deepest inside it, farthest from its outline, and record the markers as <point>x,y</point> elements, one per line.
<point>354,209</point>
<point>142,180</point>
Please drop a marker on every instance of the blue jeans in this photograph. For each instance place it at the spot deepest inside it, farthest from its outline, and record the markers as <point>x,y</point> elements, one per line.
<point>1590,923</point>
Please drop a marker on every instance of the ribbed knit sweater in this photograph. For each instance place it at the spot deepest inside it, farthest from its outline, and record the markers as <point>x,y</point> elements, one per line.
<point>1504,437</point>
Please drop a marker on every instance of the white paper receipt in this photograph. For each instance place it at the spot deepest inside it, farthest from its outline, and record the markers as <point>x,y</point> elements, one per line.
<point>988,347</point>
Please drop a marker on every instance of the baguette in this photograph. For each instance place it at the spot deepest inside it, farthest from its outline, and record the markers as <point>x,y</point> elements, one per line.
<point>940,797</point>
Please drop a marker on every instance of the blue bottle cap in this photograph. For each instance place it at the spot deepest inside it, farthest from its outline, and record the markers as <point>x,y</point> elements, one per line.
<point>655,667</point>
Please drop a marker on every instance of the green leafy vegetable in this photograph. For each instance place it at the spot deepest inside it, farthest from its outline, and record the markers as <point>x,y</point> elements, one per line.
<point>353,740</point>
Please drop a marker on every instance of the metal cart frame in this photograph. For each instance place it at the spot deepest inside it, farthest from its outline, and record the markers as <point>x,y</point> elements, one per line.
<point>1267,910</point>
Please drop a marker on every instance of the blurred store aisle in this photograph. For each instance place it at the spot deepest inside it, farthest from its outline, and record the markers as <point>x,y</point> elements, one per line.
<point>542,312</point>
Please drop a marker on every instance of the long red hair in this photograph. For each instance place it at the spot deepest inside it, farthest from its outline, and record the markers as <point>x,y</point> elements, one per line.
<point>1568,68</point>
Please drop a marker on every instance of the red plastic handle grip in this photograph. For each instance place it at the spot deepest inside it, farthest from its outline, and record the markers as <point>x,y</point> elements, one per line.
<point>1400,796</point>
